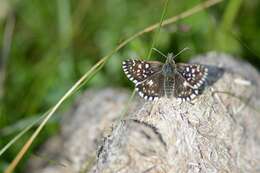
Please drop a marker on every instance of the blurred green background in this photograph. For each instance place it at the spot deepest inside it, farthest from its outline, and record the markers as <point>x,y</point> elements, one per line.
<point>46,46</point>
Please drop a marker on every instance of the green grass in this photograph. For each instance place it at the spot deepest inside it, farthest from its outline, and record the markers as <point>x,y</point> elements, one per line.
<point>55,45</point>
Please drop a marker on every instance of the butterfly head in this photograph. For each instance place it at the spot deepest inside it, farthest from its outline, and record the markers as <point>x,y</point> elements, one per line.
<point>170,58</point>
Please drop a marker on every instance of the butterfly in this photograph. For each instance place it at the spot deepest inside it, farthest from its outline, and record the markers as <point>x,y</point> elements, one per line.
<point>154,79</point>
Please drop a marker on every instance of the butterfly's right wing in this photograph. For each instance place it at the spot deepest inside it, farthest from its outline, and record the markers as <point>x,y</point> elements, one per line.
<point>194,74</point>
<point>183,90</point>
<point>138,71</point>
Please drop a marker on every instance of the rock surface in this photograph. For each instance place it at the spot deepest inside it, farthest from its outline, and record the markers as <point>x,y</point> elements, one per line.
<point>220,132</point>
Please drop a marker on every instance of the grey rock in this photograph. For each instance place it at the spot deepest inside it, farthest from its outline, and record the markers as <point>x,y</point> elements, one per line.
<point>219,132</point>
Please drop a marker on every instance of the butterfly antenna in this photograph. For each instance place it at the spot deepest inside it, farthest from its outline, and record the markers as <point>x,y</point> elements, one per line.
<point>156,50</point>
<point>186,48</point>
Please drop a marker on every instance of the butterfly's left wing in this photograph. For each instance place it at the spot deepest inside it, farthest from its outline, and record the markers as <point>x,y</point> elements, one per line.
<point>151,89</point>
<point>194,74</point>
<point>147,77</point>
<point>138,71</point>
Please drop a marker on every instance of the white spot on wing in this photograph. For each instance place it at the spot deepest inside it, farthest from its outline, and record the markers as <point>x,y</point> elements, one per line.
<point>192,96</point>
<point>150,83</point>
<point>186,84</point>
<point>155,98</point>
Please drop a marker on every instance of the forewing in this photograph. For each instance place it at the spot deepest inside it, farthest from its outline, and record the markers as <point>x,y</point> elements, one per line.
<point>182,90</point>
<point>151,88</point>
<point>195,74</point>
<point>138,70</point>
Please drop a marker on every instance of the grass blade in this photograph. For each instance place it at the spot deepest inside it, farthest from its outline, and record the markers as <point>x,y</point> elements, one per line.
<point>159,28</point>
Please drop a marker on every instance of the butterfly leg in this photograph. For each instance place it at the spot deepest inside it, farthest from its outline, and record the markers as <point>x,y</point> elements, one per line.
<point>181,101</point>
<point>152,110</point>
<point>190,102</point>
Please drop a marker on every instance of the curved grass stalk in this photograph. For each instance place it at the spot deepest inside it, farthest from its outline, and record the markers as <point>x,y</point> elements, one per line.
<point>101,62</point>
<point>158,30</point>
<point>21,134</point>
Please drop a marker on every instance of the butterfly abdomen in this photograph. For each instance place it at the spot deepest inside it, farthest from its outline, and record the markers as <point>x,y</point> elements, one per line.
<point>168,85</point>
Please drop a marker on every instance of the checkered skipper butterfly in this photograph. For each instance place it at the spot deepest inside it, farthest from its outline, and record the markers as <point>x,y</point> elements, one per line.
<point>154,79</point>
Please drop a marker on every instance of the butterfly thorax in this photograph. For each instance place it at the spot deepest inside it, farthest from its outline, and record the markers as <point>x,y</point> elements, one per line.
<point>169,67</point>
